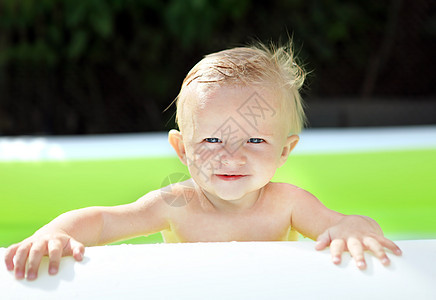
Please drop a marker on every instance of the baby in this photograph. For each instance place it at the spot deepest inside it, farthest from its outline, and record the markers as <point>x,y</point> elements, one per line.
<point>239,114</point>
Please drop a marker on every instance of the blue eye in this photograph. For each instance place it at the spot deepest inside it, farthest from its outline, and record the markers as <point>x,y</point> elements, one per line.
<point>212,140</point>
<point>256,140</point>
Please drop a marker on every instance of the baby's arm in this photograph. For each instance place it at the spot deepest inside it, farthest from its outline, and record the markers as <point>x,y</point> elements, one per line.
<point>68,233</point>
<point>341,232</point>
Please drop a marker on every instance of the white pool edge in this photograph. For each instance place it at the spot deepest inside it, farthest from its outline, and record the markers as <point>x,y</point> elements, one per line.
<point>133,145</point>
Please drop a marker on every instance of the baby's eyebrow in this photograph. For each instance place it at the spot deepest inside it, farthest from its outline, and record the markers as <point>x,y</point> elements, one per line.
<point>263,134</point>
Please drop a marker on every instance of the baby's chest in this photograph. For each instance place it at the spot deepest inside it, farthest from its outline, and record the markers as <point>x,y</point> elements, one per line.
<point>224,228</point>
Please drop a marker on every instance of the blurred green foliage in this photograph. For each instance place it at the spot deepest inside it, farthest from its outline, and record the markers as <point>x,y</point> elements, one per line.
<point>93,66</point>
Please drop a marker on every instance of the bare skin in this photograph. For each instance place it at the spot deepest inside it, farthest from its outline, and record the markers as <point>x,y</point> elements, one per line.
<point>229,198</point>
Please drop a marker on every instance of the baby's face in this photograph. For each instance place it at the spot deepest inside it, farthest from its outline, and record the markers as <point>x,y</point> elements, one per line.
<point>237,140</point>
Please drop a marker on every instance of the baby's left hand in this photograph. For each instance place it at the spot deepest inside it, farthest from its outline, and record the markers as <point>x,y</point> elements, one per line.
<point>356,234</point>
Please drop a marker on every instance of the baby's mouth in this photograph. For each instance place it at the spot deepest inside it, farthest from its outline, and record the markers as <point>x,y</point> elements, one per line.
<point>230,177</point>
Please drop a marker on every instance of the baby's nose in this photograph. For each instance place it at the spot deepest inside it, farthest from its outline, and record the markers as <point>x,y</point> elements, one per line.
<point>234,159</point>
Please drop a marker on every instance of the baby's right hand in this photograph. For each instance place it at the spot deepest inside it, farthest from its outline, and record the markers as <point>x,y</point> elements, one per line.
<point>32,249</point>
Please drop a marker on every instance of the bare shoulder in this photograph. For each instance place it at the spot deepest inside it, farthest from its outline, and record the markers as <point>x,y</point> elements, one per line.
<point>175,195</point>
<point>290,195</point>
<point>287,190</point>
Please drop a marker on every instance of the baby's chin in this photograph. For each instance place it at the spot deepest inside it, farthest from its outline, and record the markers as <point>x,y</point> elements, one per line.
<point>230,197</point>
<point>233,195</point>
<point>223,194</point>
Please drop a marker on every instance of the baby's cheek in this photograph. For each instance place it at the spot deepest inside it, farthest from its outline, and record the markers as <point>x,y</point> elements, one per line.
<point>269,164</point>
<point>269,157</point>
<point>202,165</point>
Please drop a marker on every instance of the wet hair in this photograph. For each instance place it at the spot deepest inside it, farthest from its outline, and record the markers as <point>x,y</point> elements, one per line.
<point>257,65</point>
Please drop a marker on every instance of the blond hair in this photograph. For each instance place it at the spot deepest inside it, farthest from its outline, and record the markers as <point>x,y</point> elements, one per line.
<point>254,65</point>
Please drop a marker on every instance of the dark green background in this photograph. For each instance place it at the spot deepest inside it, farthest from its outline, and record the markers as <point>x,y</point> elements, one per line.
<point>93,66</point>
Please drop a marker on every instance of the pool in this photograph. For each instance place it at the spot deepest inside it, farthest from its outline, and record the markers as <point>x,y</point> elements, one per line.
<point>388,174</point>
<point>238,270</point>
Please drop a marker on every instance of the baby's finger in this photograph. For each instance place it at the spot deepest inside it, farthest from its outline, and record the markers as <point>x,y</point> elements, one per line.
<point>356,250</point>
<point>378,250</point>
<point>390,245</point>
<point>323,240</point>
<point>20,260</point>
<point>337,247</point>
<point>9,256</point>
<point>78,249</point>
<point>35,255</point>
<point>55,255</point>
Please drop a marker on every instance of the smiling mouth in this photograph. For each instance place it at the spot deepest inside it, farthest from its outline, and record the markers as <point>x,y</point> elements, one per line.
<point>226,177</point>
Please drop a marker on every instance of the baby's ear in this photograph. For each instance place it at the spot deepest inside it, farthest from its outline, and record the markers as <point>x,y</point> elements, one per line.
<point>176,141</point>
<point>290,144</point>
